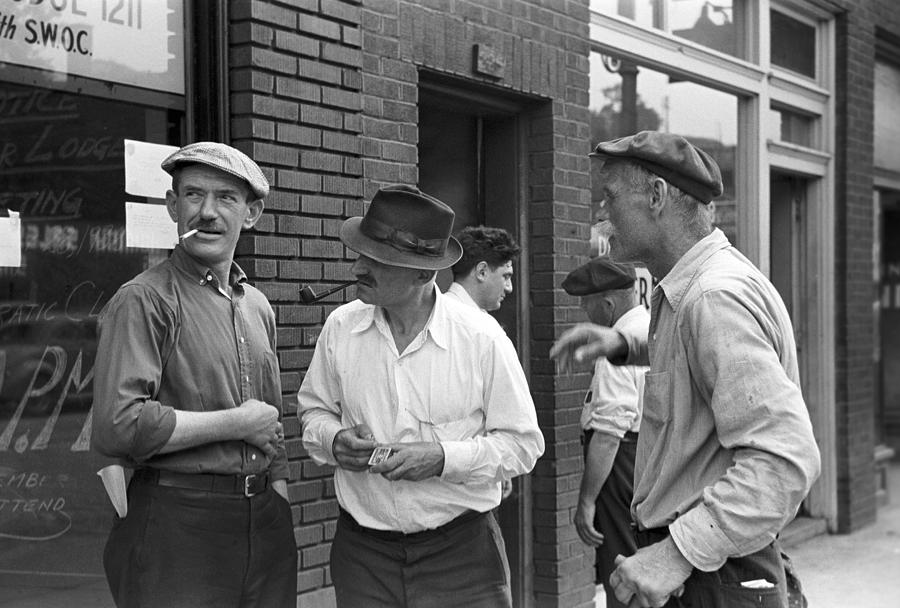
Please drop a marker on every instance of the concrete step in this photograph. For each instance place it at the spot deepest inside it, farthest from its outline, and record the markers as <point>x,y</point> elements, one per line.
<point>801,529</point>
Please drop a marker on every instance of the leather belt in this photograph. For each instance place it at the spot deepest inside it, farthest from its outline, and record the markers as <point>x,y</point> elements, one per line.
<point>395,536</point>
<point>245,485</point>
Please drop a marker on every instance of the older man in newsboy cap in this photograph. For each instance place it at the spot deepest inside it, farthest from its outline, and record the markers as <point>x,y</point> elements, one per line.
<point>424,410</point>
<point>610,417</point>
<point>187,393</point>
<point>726,451</point>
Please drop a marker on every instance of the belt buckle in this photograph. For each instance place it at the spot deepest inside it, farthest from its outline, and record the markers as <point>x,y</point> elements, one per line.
<point>248,480</point>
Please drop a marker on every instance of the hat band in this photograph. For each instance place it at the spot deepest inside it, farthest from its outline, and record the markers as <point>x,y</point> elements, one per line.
<point>401,239</point>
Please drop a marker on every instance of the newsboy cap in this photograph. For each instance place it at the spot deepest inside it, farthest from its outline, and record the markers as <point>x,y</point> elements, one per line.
<point>597,276</point>
<point>222,157</point>
<point>405,227</point>
<point>671,157</point>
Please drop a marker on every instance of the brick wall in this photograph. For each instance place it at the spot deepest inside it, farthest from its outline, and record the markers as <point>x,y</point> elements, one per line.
<point>296,108</point>
<point>324,96</point>
<point>855,375</point>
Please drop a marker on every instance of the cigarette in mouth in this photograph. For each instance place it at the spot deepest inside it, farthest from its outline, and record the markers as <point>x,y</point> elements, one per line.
<point>187,234</point>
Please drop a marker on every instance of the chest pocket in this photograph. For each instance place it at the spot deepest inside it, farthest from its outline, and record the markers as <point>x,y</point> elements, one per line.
<point>442,407</point>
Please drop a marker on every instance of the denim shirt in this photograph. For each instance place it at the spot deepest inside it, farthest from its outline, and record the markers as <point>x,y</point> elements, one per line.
<point>170,339</point>
<point>726,451</point>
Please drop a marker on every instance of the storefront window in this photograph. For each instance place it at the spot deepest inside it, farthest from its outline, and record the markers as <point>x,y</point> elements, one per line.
<point>626,98</point>
<point>717,25</point>
<point>792,127</point>
<point>62,179</point>
<point>793,44</point>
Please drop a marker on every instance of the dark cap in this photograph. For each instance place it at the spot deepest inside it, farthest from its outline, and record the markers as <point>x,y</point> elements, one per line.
<point>221,157</point>
<point>671,157</point>
<point>599,275</point>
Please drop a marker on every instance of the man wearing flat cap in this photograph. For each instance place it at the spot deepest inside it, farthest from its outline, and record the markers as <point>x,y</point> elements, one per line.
<point>187,393</point>
<point>726,451</point>
<point>610,418</point>
<point>424,410</point>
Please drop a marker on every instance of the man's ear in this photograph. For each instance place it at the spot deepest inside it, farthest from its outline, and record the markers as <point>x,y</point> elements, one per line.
<point>254,212</point>
<point>481,270</point>
<point>425,276</point>
<point>659,195</point>
<point>171,205</point>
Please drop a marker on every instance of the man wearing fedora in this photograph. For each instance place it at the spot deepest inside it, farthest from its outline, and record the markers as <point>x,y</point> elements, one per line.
<point>407,370</point>
<point>187,393</point>
<point>726,451</point>
<point>610,418</point>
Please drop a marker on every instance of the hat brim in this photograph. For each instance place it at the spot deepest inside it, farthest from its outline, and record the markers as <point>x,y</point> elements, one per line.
<point>353,238</point>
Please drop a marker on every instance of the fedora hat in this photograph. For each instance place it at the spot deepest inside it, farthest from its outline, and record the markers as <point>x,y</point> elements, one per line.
<point>405,227</point>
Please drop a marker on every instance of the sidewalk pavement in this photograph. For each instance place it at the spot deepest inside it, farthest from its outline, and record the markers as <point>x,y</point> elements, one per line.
<point>858,570</point>
<point>861,569</point>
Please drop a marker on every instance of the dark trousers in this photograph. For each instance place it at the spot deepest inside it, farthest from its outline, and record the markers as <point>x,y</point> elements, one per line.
<point>613,515</point>
<point>191,548</point>
<point>722,588</point>
<point>460,564</point>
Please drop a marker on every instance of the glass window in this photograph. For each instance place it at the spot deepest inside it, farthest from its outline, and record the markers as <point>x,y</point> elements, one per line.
<point>793,44</point>
<point>717,25</point>
<point>793,127</point>
<point>626,98</point>
<point>64,122</point>
<point>887,116</point>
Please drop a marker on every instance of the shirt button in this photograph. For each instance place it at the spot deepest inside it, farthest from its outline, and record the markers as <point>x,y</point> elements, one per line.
<point>252,456</point>
<point>247,379</point>
<point>241,339</point>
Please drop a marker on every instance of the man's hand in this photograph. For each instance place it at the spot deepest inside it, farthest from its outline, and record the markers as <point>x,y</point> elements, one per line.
<point>584,523</point>
<point>412,462</point>
<point>585,343</point>
<point>651,576</point>
<point>261,426</point>
<point>352,447</point>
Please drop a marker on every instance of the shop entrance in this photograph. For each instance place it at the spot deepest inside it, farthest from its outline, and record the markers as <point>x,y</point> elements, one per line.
<point>470,158</point>
<point>887,419</point>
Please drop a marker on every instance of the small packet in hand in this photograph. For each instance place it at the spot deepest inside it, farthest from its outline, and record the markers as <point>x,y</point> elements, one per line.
<point>379,454</point>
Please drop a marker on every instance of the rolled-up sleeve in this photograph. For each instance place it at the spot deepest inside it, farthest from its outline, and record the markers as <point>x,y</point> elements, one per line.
<point>135,330</point>
<point>761,416</point>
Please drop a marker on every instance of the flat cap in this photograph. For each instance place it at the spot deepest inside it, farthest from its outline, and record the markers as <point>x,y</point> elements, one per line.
<point>671,157</point>
<point>222,157</point>
<point>598,275</point>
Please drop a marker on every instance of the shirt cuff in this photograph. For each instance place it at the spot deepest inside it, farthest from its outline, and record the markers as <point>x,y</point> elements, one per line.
<point>700,540</point>
<point>458,457</point>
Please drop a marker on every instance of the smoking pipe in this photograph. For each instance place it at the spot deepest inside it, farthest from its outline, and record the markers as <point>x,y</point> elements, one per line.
<point>308,296</point>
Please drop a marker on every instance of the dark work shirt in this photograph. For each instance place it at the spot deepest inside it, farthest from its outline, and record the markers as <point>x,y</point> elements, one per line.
<point>171,340</point>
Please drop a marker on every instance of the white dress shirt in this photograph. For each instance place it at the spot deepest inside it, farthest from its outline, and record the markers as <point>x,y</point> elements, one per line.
<point>458,383</point>
<point>459,293</point>
<point>615,400</point>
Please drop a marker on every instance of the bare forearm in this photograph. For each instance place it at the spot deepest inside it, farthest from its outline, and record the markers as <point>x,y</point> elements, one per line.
<point>601,454</point>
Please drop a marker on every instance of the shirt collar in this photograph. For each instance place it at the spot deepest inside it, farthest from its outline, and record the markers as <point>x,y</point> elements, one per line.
<point>202,273</point>
<point>626,317</point>
<point>675,283</point>
<point>437,325</point>
<point>462,293</point>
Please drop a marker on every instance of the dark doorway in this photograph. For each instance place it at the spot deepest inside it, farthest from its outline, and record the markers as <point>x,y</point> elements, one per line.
<point>470,158</point>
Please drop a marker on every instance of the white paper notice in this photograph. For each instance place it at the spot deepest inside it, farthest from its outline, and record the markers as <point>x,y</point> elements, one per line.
<point>143,175</point>
<point>149,226</point>
<point>11,241</point>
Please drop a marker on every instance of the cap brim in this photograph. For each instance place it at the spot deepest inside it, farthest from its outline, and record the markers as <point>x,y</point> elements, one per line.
<point>353,238</point>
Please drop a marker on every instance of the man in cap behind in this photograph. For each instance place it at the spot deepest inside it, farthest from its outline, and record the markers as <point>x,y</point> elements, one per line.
<point>187,393</point>
<point>611,417</point>
<point>726,451</point>
<point>406,369</point>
